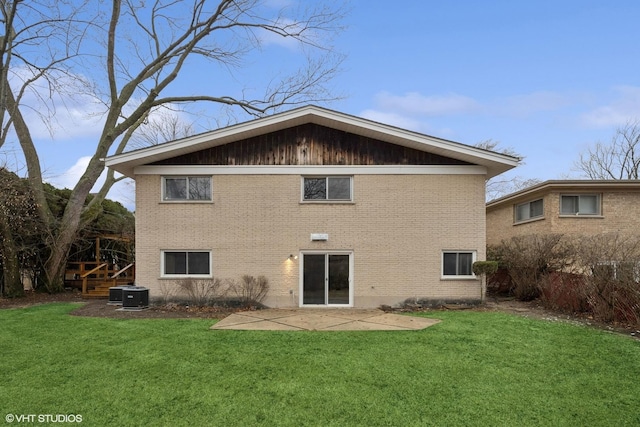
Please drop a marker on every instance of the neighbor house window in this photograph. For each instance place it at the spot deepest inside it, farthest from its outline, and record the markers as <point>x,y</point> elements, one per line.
<point>581,204</point>
<point>457,264</point>
<point>622,271</point>
<point>186,263</point>
<point>529,210</point>
<point>329,188</point>
<point>186,188</point>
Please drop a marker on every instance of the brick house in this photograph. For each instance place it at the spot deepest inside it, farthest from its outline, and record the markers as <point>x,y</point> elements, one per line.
<point>333,209</point>
<point>569,207</point>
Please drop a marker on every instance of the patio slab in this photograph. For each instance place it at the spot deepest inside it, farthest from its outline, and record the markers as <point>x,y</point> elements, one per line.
<point>322,320</point>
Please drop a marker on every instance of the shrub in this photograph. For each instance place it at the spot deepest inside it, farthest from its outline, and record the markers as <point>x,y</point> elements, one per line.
<point>597,274</point>
<point>612,276</point>
<point>484,269</point>
<point>564,291</point>
<point>528,259</point>
<point>201,292</point>
<point>167,292</point>
<point>250,291</point>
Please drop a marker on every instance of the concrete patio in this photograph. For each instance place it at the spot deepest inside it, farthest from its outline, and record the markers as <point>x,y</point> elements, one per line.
<point>312,319</point>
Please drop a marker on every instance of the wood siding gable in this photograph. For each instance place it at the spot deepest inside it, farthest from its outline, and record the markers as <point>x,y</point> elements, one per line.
<point>310,144</point>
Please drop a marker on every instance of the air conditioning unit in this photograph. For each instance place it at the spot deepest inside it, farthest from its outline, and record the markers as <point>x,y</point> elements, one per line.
<point>135,297</point>
<point>115,294</point>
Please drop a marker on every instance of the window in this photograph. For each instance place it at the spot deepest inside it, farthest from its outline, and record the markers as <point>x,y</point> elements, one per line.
<point>529,210</point>
<point>583,204</point>
<point>622,271</point>
<point>327,188</point>
<point>186,263</point>
<point>181,188</point>
<point>456,264</point>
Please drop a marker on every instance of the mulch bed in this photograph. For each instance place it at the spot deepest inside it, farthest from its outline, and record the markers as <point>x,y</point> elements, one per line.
<point>100,308</point>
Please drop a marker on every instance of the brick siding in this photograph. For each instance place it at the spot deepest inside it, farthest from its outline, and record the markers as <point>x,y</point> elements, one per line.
<point>620,214</point>
<point>396,227</point>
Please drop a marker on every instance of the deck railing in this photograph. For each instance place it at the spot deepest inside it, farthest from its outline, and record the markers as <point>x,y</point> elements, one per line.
<point>124,270</point>
<point>98,271</point>
<point>90,274</point>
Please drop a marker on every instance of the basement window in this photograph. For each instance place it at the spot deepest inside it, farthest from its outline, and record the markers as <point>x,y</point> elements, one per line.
<point>458,264</point>
<point>186,263</point>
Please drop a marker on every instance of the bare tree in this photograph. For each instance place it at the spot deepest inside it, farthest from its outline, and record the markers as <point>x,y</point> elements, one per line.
<point>161,126</point>
<point>140,50</point>
<point>499,186</point>
<point>618,159</point>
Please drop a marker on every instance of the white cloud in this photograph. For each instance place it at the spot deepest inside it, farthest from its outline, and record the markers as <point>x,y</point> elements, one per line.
<point>524,105</point>
<point>123,191</point>
<point>267,37</point>
<point>405,122</point>
<point>69,178</point>
<point>434,105</point>
<point>68,112</point>
<point>621,110</point>
<point>392,119</point>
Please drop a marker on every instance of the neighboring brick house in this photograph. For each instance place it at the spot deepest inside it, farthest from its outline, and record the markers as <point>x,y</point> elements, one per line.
<point>333,209</point>
<point>569,207</point>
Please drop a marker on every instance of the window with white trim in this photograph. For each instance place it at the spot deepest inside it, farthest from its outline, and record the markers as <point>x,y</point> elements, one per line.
<point>623,271</point>
<point>186,263</point>
<point>529,210</point>
<point>456,264</point>
<point>327,188</point>
<point>186,188</point>
<point>580,204</point>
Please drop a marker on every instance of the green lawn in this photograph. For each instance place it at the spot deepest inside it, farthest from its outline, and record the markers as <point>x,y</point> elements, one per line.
<point>471,369</point>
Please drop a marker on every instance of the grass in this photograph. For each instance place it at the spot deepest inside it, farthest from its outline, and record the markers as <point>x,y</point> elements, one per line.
<point>471,369</point>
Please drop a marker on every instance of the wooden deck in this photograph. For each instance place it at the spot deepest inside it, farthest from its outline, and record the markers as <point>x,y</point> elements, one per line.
<point>95,279</point>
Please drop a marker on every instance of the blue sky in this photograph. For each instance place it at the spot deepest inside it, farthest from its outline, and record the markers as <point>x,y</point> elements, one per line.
<point>544,78</point>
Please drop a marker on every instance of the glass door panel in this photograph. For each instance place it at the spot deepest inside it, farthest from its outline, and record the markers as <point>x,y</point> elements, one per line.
<point>326,279</point>
<point>338,292</point>
<point>313,285</point>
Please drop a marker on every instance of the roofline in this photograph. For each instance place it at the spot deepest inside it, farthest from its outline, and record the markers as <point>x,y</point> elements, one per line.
<point>496,163</point>
<point>570,184</point>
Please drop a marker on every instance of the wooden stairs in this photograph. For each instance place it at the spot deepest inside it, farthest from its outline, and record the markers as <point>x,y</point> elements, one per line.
<point>95,282</point>
<point>100,289</point>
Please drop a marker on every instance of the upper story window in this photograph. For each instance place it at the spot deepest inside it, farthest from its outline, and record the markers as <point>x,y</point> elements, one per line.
<point>529,210</point>
<point>580,204</point>
<point>458,264</point>
<point>328,188</point>
<point>186,188</point>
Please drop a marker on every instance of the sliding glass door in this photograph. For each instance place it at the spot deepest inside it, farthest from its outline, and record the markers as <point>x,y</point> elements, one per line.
<point>326,278</point>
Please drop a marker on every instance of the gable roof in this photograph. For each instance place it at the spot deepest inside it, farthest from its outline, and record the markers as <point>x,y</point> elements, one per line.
<point>570,185</point>
<point>496,163</point>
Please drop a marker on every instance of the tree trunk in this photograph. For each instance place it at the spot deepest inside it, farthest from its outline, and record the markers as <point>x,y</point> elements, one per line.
<point>10,266</point>
<point>74,219</point>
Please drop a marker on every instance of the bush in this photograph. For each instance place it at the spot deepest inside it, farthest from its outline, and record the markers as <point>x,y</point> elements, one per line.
<point>564,292</point>
<point>485,267</point>
<point>612,276</point>
<point>250,291</point>
<point>201,292</point>
<point>528,259</point>
<point>595,274</point>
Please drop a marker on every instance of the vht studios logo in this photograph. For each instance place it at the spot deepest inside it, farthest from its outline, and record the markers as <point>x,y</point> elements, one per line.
<point>43,418</point>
